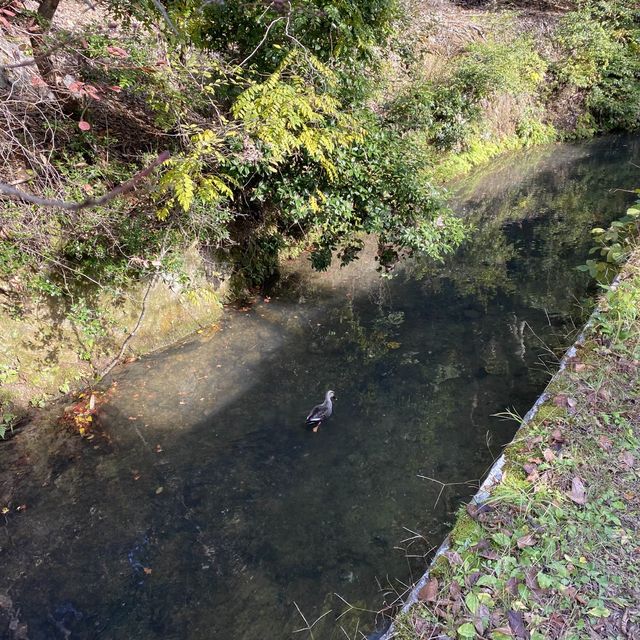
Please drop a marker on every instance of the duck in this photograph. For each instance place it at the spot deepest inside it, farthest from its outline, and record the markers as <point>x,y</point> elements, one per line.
<point>321,412</point>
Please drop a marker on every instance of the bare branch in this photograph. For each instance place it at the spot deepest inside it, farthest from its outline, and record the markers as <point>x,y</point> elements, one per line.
<point>43,54</point>
<point>89,202</point>
<point>133,332</point>
<point>264,37</point>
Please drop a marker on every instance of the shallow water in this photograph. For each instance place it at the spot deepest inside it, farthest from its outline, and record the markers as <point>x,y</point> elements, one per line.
<point>203,509</point>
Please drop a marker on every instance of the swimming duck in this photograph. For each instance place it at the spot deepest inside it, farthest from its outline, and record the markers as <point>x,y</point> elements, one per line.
<point>321,412</point>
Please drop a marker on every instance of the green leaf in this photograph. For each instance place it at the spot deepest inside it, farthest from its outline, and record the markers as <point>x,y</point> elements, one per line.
<point>467,630</point>
<point>471,600</point>
<point>501,539</point>
<point>599,612</point>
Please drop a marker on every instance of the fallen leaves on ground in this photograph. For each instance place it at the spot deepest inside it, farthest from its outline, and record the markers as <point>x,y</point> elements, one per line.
<point>578,492</point>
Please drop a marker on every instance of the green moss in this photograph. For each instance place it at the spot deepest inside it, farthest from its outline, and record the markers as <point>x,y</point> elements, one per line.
<point>466,531</point>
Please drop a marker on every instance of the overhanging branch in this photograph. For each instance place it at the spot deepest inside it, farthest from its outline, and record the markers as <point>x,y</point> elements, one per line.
<point>16,194</point>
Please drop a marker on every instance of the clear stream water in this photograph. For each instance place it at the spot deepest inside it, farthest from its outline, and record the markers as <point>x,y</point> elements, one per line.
<point>203,509</point>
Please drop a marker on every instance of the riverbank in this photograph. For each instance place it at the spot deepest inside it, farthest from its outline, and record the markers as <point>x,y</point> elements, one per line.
<point>551,551</point>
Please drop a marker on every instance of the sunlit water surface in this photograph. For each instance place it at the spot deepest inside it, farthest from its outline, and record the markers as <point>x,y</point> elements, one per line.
<point>205,510</point>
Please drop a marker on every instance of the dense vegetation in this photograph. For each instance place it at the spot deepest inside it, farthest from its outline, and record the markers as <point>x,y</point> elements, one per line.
<point>290,125</point>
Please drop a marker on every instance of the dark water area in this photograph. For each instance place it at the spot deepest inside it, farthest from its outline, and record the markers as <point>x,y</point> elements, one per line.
<point>203,509</point>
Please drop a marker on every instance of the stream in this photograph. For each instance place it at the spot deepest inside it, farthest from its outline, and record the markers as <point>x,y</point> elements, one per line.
<point>201,508</point>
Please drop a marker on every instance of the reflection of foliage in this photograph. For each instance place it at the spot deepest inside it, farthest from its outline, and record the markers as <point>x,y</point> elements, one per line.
<point>553,215</point>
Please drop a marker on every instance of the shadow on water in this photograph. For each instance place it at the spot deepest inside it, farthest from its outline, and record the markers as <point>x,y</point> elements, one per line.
<point>203,509</point>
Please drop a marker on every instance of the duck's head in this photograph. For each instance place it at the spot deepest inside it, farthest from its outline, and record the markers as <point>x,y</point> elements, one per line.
<point>330,395</point>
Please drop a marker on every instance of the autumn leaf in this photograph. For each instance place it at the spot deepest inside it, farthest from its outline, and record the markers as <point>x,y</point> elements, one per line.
<point>527,540</point>
<point>627,459</point>
<point>429,592</point>
<point>578,493</point>
<point>605,443</point>
<point>118,52</point>
<point>516,624</point>
<point>548,455</point>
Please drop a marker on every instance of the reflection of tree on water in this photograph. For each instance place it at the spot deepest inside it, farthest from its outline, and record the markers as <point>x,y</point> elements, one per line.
<point>541,220</point>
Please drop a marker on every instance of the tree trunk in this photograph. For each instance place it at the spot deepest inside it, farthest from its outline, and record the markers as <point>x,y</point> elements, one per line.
<point>46,11</point>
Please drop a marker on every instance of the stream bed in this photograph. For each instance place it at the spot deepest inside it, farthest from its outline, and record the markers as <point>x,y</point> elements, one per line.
<point>203,509</point>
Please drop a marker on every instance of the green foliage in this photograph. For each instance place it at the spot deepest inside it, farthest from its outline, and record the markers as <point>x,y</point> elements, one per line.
<point>496,67</point>
<point>328,29</point>
<point>614,246</point>
<point>601,46</point>
<point>7,421</point>
<point>448,111</point>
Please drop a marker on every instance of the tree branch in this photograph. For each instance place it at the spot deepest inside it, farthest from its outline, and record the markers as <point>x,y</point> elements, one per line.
<point>89,202</point>
<point>133,332</point>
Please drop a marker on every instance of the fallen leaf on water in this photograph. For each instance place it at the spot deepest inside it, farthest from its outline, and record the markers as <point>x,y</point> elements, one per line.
<point>147,571</point>
<point>429,592</point>
<point>159,490</point>
<point>5,510</point>
<point>578,493</point>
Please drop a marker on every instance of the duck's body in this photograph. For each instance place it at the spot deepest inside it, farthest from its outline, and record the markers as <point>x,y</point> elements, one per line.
<point>321,412</point>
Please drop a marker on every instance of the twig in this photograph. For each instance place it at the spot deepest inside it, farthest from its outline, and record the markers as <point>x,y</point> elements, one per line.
<point>89,202</point>
<point>309,626</point>
<point>132,333</point>
<point>443,486</point>
<point>264,37</point>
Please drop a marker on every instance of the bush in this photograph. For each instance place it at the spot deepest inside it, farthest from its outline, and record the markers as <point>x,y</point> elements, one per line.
<point>601,55</point>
